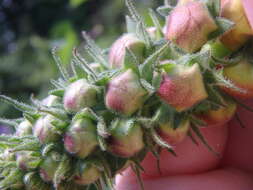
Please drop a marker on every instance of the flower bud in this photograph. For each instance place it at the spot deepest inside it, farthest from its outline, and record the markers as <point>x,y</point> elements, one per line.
<point>219,116</point>
<point>88,173</point>
<point>45,131</point>
<point>183,87</point>
<point>26,160</point>
<point>125,140</point>
<point>241,75</point>
<point>234,11</point>
<point>171,135</point>
<point>118,49</point>
<point>81,138</point>
<point>48,166</point>
<point>51,100</point>
<point>125,94</point>
<point>80,94</point>
<point>24,128</point>
<point>189,26</point>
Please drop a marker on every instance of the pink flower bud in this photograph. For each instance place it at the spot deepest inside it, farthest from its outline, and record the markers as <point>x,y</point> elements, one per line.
<point>125,94</point>
<point>189,26</point>
<point>81,138</point>
<point>88,173</point>
<point>183,87</point>
<point>171,135</point>
<point>241,75</point>
<point>80,94</point>
<point>45,131</point>
<point>118,49</point>
<point>125,142</point>
<point>234,11</point>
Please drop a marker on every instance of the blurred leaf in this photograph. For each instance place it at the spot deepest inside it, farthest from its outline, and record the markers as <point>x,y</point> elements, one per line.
<point>76,3</point>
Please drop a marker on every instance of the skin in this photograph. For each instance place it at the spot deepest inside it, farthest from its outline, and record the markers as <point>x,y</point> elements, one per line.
<point>196,168</point>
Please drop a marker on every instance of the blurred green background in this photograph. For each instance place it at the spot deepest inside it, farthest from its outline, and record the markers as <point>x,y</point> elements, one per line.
<point>30,28</point>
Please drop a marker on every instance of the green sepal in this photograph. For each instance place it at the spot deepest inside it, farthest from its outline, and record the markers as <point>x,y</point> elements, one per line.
<point>83,64</point>
<point>159,141</point>
<point>57,92</point>
<point>63,171</point>
<point>147,86</point>
<point>131,61</point>
<point>214,7</point>
<point>147,68</point>
<point>222,81</point>
<point>13,178</point>
<point>141,31</point>
<point>165,10</point>
<point>224,25</point>
<point>32,118</point>
<point>105,76</point>
<point>56,112</point>
<point>95,52</point>
<point>59,64</point>
<point>9,122</point>
<point>85,113</point>
<point>156,23</point>
<point>18,105</point>
<point>157,79</point>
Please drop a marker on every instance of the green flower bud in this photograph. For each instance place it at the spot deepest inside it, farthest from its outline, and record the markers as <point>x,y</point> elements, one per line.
<point>81,138</point>
<point>88,173</point>
<point>48,166</point>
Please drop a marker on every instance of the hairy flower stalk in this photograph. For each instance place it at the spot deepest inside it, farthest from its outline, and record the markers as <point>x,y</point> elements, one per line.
<point>145,95</point>
<point>189,26</point>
